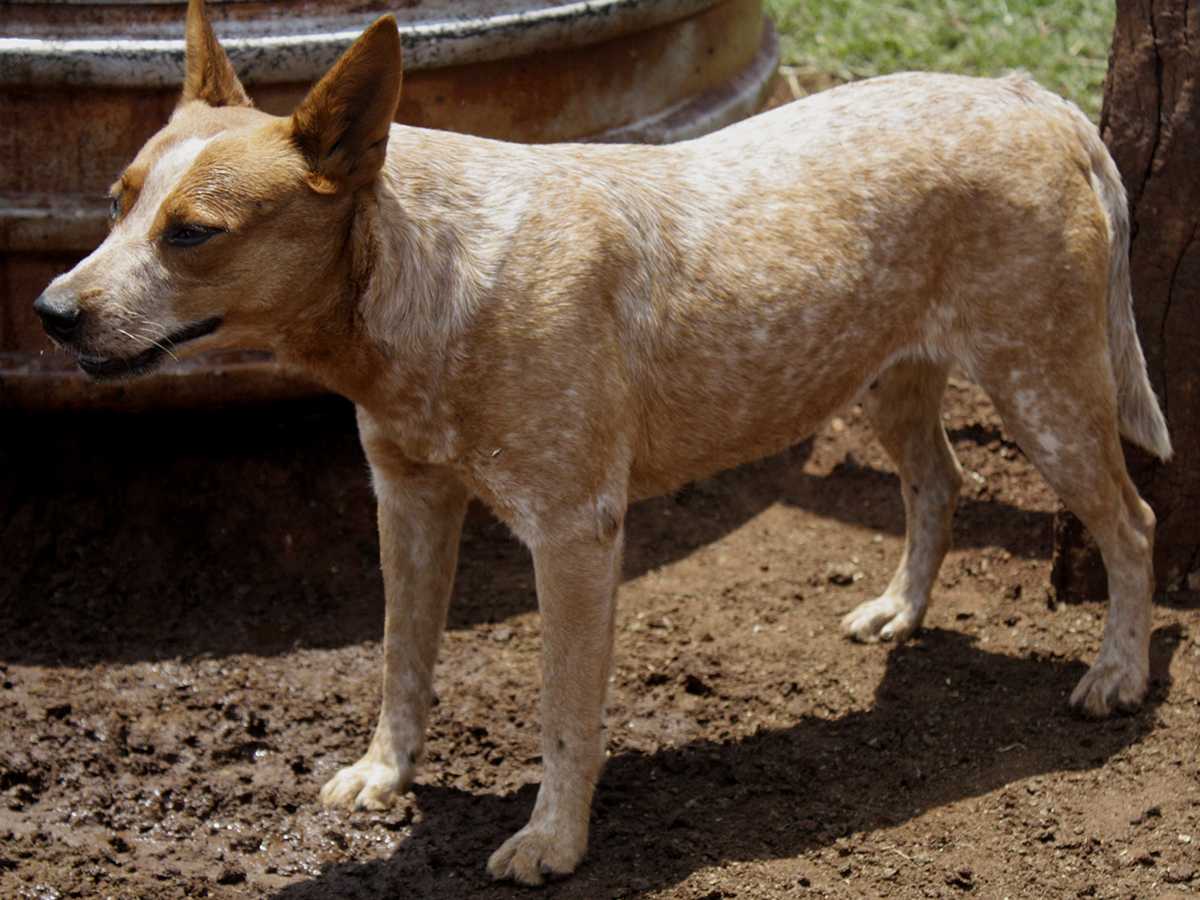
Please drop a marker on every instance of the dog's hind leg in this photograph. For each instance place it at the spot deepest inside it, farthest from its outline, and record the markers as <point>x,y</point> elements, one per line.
<point>420,521</point>
<point>1064,417</point>
<point>904,406</point>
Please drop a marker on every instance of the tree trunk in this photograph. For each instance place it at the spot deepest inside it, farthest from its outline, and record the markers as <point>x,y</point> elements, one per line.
<point>1151,124</point>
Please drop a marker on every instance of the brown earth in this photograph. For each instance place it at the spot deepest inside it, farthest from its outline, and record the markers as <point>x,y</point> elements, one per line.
<point>190,613</point>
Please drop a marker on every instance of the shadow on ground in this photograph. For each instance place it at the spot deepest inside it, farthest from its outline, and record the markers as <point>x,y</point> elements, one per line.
<point>174,534</point>
<point>950,721</point>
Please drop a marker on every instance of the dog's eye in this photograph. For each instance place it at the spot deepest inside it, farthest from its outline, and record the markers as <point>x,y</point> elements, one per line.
<point>184,235</point>
<point>114,207</point>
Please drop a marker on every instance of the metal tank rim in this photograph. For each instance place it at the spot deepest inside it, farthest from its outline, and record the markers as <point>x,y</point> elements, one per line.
<point>276,50</point>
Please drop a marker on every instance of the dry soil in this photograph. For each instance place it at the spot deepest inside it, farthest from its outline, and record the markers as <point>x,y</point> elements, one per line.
<point>190,612</point>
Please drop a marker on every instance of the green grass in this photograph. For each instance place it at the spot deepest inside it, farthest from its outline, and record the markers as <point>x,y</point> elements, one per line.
<point>1063,44</point>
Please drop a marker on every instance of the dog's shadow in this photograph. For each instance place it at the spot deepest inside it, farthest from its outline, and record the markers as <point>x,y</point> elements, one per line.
<point>174,534</point>
<point>950,722</point>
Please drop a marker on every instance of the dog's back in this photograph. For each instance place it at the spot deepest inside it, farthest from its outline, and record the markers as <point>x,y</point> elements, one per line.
<point>719,298</point>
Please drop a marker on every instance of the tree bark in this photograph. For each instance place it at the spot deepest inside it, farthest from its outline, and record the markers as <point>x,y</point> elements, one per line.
<point>1151,124</point>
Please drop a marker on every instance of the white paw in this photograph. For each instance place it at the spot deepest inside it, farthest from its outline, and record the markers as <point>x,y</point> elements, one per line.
<point>535,853</point>
<point>1111,686</point>
<point>366,785</point>
<point>886,618</point>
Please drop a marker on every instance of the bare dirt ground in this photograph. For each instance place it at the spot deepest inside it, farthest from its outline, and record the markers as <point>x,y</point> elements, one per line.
<point>190,614</point>
<point>190,611</point>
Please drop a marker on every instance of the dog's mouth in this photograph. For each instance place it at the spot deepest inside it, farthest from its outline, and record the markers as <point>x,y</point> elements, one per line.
<point>116,367</point>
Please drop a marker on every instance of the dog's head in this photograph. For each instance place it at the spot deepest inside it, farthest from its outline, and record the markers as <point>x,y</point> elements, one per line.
<point>230,221</point>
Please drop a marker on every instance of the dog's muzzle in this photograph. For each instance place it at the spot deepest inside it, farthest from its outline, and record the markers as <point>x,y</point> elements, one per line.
<point>63,319</point>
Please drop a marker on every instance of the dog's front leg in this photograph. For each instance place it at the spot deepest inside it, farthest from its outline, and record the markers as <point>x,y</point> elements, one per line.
<point>576,586</point>
<point>420,521</point>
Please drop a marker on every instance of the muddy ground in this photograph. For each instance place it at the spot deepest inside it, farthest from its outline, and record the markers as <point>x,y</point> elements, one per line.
<point>190,613</point>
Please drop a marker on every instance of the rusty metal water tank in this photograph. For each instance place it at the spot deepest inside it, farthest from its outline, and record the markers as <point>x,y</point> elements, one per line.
<point>84,83</point>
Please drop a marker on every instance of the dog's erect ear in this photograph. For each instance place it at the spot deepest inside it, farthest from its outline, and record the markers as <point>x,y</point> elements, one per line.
<point>208,76</point>
<point>341,127</point>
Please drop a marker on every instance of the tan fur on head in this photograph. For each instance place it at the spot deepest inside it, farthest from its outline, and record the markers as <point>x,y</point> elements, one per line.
<point>560,330</point>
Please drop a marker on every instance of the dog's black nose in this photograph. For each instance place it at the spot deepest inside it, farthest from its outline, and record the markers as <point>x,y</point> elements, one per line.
<point>61,316</point>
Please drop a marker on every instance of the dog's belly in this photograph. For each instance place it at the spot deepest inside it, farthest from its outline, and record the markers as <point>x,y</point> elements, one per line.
<point>692,425</point>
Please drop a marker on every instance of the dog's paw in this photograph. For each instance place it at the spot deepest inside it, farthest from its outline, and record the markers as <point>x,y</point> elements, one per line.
<point>886,618</point>
<point>1110,687</point>
<point>536,853</point>
<point>366,785</point>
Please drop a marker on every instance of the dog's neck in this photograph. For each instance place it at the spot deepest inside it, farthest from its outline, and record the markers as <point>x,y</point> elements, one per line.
<point>395,307</point>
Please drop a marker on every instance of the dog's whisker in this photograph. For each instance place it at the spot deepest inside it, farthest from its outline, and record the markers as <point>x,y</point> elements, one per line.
<point>152,330</point>
<point>162,342</point>
<point>159,342</point>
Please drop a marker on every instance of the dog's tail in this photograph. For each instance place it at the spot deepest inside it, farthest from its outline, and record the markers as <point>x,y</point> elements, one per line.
<point>1141,419</point>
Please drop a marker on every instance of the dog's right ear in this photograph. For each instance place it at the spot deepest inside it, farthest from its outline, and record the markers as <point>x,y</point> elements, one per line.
<point>208,74</point>
<point>341,127</point>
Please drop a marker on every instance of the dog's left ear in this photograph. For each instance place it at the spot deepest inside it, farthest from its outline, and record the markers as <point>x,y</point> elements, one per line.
<point>208,75</point>
<point>341,127</point>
